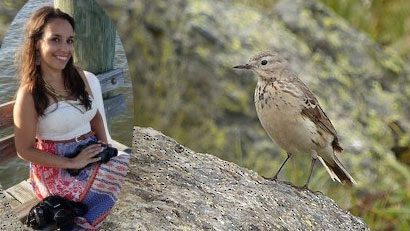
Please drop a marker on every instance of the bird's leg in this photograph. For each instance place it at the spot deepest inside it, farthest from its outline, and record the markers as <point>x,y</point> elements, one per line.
<point>277,173</point>
<point>312,165</point>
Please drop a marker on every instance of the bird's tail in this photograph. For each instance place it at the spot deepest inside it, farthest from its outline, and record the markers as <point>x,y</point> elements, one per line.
<point>337,171</point>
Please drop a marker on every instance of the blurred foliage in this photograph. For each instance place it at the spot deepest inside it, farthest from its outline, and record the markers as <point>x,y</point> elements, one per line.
<point>262,5</point>
<point>8,9</point>
<point>387,22</point>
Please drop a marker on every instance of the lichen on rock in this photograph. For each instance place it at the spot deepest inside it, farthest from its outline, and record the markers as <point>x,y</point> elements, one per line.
<point>170,187</point>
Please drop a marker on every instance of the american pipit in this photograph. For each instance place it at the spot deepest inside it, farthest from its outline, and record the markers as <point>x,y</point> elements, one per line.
<point>292,116</point>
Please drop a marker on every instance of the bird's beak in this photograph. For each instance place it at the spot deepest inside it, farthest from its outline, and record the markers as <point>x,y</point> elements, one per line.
<point>244,66</point>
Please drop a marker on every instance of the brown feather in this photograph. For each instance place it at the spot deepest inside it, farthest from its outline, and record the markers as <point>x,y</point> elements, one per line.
<point>340,173</point>
<point>314,112</point>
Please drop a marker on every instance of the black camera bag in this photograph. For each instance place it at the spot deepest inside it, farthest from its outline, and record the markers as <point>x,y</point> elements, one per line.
<point>55,210</point>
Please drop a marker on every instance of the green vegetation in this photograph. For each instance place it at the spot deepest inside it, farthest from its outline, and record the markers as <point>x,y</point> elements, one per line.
<point>387,22</point>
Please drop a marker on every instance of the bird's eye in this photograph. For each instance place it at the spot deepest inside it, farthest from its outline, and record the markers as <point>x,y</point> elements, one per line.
<point>264,62</point>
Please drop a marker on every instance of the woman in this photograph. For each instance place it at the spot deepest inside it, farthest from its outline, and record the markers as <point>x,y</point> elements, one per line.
<point>55,111</point>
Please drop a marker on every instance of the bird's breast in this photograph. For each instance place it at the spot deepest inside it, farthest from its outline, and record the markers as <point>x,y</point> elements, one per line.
<point>272,97</point>
<point>280,115</point>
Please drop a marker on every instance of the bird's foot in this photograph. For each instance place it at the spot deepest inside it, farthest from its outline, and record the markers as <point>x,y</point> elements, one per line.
<point>304,187</point>
<point>273,178</point>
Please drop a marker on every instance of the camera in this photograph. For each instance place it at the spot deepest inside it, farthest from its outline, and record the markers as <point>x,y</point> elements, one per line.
<point>57,210</point>
<point>105,155</point>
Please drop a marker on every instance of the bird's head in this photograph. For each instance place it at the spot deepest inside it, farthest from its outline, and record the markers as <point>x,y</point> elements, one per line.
<point>265,64</point>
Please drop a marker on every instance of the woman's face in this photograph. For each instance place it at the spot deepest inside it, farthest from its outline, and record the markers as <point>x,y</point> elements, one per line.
<point>56,46</point>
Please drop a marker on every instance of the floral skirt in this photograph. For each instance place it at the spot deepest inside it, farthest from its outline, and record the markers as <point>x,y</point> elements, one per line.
<point>98,185</point>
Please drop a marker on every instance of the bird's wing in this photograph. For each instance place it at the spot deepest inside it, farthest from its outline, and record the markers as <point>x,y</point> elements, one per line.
<point>314,112</point>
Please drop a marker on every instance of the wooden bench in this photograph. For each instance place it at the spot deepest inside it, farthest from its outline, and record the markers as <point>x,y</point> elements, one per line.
<point>21,197</point>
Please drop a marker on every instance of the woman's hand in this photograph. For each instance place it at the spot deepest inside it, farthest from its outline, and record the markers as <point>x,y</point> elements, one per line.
<point>86,156</point>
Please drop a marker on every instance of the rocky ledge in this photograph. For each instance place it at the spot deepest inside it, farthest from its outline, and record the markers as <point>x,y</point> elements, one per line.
<point>170,187</point>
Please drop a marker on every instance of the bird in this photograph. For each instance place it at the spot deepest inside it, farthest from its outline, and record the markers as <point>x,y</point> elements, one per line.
<point>291,115</point>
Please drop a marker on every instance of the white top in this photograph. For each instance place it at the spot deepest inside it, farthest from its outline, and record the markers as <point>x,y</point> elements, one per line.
<point>65,120</point>
<point>97,94</point>
<point>71,119</point>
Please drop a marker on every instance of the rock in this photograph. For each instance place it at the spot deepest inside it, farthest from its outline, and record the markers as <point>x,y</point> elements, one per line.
<point>170,187</point>
<point>8,220</point>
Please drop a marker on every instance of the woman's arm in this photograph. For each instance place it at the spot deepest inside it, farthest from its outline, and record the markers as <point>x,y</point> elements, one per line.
<point>97,123</point>
<point>25,125</point>
<point>97,126</point>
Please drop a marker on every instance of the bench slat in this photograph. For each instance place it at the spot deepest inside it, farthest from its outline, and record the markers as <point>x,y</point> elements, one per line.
<point>22,210</point>
<point>6,114</point>
<point>111,80</point>
<point>23,192</point>
<point>114,106</point>
<point>7,148</point>
<point>22,199</point>
<point>13,202</point>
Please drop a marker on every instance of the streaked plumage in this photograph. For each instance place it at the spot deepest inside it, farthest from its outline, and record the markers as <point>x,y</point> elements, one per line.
<point>292,116</point>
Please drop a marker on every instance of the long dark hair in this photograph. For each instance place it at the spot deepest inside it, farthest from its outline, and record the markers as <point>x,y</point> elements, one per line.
<point>30,73</point>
